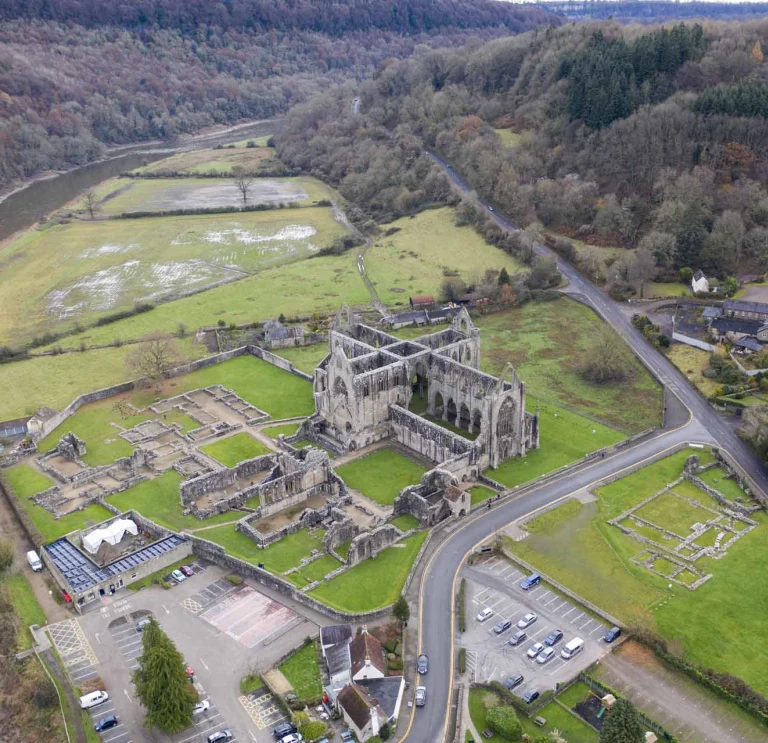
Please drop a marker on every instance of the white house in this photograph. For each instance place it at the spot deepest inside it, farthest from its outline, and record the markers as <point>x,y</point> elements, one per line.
<point>361,712</point>
<point>367,655</point>
<point>699,283</point>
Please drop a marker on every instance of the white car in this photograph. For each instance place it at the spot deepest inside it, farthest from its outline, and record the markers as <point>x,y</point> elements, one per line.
<point>292,738</point>
<point>545,655</point>
<point>527,620</point>
<point>535,649</point>
<point>485,614</point>
<point>201,707</point>
<point>178,576</point>
<point>421,696</point>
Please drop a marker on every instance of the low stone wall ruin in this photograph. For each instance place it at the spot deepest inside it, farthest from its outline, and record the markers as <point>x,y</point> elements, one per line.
<point>371,543</point>
<point>428,439</point>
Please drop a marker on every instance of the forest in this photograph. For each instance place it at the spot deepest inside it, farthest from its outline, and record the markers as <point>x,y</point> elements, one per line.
<point>77,77</point>
<point>651,139</point>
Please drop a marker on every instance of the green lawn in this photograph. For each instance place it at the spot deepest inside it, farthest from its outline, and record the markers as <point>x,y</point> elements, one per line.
<point>159,501</point>
<point>25,605</point>
<point>303,672</point>
<point>406,522</point>
<point>593,558</point>
<point>547,343</point>
<point>235,449</point>
<point>415,259</point>
<point>381,475</point>
<point>657,289</point>
<point>315,570</point>
<point>207,161</point>
<point>278,557</point>
<point>673,514</point>
<point>718,478</point>
<point>287,429</point>
<point>553,516</point>
<point>50,527</point>
<point>305,358</point>
<point>480,494</point>
<point>508,138</point>
<point>372,584</point>
<point>564,438</point>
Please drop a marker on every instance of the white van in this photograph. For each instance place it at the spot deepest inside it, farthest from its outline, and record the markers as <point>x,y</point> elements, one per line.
<point>574,647</point>
<point>34,561</point>
<point>93,699</point>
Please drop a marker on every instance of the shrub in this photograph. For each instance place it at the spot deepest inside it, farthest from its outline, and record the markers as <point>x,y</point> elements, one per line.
<point>503,720</point>
<point>313,730</point>
<point>235,580</point>
<point>462,660</point>
<point>461,606</point>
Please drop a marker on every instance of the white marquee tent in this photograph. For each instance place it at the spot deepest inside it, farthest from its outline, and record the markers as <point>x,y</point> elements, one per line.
<point>111,534</point>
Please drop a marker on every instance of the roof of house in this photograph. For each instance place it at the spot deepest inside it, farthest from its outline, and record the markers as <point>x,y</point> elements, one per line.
<point>335,633</point>
<point>735,325</point>
<point>749,343</point>
<point>739,305</point>
<point>337,658</point>
<point>357,702</point>
<point>45,413</point>
<point>385,691</point>
<point>711,312</point>
<point>423,299</point>
<point>452,493</point>
<point>366,647</point>
<point>699,275</point>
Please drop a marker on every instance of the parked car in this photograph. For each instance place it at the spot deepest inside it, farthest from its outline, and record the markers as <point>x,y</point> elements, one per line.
<point>179,577</point>
<point>346,735</point>
<point>187,570</point>
<point>34,561</point>
<point>422,664</point>
<point>142,623</point>
<point>530,696</point>
<point>484,614</point>
<point>553,637</point>
<point>527,620</point>
<point>535,649</point>
<point>421,696</point>
<point>201,707</point>
<point>93,699</point>
<point>513,681</point>
<point>283,729</point>
<point>292,738</point>
<point>221,737</point>
<point>530,581</point>
<point>502,626</point>
<point>574,647</point>
<point>105,723</point>
<point>545,656</point>
<point>612,634</point>
<point>518,637</point>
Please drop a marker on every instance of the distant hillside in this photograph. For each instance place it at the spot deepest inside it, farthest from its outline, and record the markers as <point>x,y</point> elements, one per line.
<point>654,11</point>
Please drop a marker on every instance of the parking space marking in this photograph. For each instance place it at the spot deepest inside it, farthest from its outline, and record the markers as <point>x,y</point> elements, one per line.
<point>599,628</point>
<point>262,710</point>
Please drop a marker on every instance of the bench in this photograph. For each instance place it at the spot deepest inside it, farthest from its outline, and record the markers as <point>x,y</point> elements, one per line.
<point>487,733</point>
<point>540,721</point>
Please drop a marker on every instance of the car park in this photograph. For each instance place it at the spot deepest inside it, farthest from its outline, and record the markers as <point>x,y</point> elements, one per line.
<point>612,634</point>
<point>201,707</point>
<point>553,637</point>
<point>187,570</point>
<point>535,649</point>
<point>518,637</point>
<point>142,624</point>
<point>512,681</point>
<point>502,626</point>
<point>93,699</point>
<point>283,729</point>
<point>545,656</point>
<point>105,723</point>
<point>178,576</point>
<point>530,581</point>
<point>527,620</point>
<point>421,696</point>
<point>484,614</point>
<point>422,664</point>
<point>222,736</point>
<point>530,696</point>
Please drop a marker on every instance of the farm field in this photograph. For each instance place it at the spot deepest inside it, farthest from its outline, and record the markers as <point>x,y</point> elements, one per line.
<point>212,161</point>
<point>125,195</point>
<point>547,343</point>
<point>592,557</point>
<point>81,271</point>
<point>413,260</point>
<point>296,288</point>
<point>235,449</point>
<point>371,584</point>
<point>381,475</point>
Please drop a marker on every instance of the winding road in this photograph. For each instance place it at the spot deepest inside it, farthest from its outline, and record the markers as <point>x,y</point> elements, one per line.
<point>430,724</point>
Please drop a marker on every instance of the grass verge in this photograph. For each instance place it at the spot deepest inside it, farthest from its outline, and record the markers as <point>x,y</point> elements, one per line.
<point>235,449</point>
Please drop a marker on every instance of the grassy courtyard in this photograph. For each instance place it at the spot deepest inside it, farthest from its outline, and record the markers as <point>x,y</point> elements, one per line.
<point>480,494</point>
<point>593,558</point>
<point>305,358</point>
<point>287,429</point>
<point>717,478</point>
<point>372,584</point>
<point>564,438</point>
<point>303,672</point>
<point>381,475</point>
<point>315,570</point>
<point>406,522</point>
<point>235,449</point>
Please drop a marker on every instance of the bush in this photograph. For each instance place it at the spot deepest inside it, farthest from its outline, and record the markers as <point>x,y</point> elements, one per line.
<point>313,730</point>
<point>461,606</point>
<point>45,694</point>
<point>462,660</point>
<point>503,720</point>
<point>235,580</point>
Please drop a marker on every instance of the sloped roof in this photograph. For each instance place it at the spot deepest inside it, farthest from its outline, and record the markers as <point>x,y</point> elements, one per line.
<point>740,305</point>
<point>736,325</point>
<point>366,647</point>
<point>357,702</point>
<point>423,299</point>
<point>385,691</point>
<point>336,633</point>
<point>750,343</point>
<point>699,275</point>
<point>337,658</point>
<point>45,413</point>
<point>453,494</point>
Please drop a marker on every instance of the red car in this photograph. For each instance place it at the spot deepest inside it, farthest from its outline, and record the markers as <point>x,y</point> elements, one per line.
<point>187,570</point>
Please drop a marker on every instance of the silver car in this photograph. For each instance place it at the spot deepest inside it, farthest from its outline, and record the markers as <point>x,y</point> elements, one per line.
<point>421,696</point>
<point>535,649</point>
<point>545,656</point>
<point>527,620</point>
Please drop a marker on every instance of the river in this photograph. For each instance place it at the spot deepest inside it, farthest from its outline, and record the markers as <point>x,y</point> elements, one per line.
<point>22,209</point>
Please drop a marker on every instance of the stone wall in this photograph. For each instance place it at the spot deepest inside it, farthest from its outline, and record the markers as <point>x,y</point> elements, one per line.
<point>371,543</point>
<point>340,532</point>
<point>428,439</point>
<point>218,480</point>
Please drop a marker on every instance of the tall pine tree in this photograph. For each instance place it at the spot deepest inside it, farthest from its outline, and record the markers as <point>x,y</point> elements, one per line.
<point>622,724</point>
<point>162,684</point>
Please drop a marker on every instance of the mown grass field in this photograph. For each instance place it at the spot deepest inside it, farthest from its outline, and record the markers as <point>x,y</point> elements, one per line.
<point>287,429</point>
<point>547,343</point>
<point>77,272</point>
<point>406,522</point>
<point>23,482</point>
<point>415,259</point>
<point>715,625</point>
<point>303,672</point>
<point>210,161</point>
<point>372,584</point>
<point>315,570</point>
<point>235,449</point>
<point>126,195</point>
<point>381,475</point>
<point>305,358</point>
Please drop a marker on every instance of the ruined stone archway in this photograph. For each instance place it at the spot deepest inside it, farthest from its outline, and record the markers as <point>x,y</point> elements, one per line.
<point>438,404</point>
<point>477,422</point>
<point>506,418</point>
<point>340,389</point>
<point>464,418</point>
<point>451,411</point>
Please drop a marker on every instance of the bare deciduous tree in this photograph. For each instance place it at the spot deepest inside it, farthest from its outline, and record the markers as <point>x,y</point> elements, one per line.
<point>153,357</point>
<point>642,268</point>
<point>91,203</point>
<point>243,181</point>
